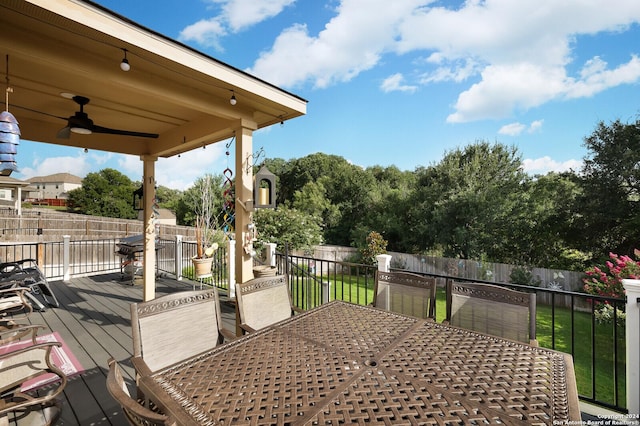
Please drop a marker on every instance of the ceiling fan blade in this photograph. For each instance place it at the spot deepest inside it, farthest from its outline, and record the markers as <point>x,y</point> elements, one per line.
<point>64,133</point>
<point>100,129</point>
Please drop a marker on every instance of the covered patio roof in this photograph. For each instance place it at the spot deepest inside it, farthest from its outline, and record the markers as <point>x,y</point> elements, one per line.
<point>62,47</point>
<point>58,49</point>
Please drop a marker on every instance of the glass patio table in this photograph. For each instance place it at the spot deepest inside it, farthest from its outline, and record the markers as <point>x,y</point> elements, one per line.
<point>342,363</point>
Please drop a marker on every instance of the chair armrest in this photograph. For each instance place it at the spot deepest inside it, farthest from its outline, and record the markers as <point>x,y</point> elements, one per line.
<point>228,334</point>
<point>14,301</point>
<point>22,365</point>
<point>140,366</point>
<point>247,328</point>
<point>13,332</point>
<point>296,309</point>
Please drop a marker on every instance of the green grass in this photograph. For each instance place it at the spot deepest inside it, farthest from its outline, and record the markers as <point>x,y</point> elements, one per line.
<point>360,291</point>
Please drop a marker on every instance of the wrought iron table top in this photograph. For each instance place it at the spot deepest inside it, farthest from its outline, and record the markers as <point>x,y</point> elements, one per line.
<point>342,363</point>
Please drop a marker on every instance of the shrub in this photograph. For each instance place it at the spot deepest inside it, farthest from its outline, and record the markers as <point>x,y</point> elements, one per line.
<point>606,280</point>
<point>522,275</point>
<point>375,245</point>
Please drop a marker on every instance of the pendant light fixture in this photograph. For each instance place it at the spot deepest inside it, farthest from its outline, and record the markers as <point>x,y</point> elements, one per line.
<point>124,65</point>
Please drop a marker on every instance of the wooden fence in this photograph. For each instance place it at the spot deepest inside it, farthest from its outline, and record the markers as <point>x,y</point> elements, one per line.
<point>464,268</point>
<point>42,225</point>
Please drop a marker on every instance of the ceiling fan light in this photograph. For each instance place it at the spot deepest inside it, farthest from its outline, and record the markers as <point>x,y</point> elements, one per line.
<point>81,130</point>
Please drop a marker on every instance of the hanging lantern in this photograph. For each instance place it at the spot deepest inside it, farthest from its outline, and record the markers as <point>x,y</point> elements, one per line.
<point>264,189</point>
<point>138,200</point>
<point>9,141</point>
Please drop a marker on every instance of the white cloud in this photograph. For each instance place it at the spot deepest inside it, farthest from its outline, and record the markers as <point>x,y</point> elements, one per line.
<point>245,13</point>
<point>394,84</point>
<point>349,44</point>
<point>78,165</point>
<point>517,53</point>
<point>546,164</point>
<point>512,129</point>
<point>535,126</point>
<point>180,172</point>
<point>206,32</point>
<point>234,16</point>
<point>515,129</point>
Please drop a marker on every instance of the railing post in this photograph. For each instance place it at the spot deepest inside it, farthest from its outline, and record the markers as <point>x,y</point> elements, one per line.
<point>271,253</point>
<point>66,257</point>
<point>384,262</point>
<point>231,267</point>
<point>326,291</point>
<point>178,258</point>
<point>632,289</point>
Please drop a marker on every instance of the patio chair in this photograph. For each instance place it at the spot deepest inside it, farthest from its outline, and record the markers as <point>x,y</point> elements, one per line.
<point>27,272</point>
<point>263,301</point>
<point>36,406</point>
<point>405,293</point>
<point>492,309</point>
<point>134,411</point>
<point>14,305</point>
<point>175,326</point>
<point>13,332</point>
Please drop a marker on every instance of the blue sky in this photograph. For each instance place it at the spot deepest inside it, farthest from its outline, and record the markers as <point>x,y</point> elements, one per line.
<point>401,82</point>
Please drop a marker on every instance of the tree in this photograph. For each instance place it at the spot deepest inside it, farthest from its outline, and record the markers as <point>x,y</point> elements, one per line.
<point>347,188</point>
<point>104,193</point>
<point>203,198</point>
<point>609,219</point>
<point>465,205</point>
<point>287,226</point>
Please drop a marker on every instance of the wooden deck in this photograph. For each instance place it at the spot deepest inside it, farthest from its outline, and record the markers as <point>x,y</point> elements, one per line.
<point>94,321</point>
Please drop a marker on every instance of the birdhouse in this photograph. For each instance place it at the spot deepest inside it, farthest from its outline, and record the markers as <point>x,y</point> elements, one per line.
<point>264,189</point>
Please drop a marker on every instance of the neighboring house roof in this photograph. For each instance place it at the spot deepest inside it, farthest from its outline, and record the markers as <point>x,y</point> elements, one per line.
<point>57,177</point>
<point>9,182</point>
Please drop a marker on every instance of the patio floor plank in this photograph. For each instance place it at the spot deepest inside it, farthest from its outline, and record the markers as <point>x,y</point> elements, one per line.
<point>94,321</point>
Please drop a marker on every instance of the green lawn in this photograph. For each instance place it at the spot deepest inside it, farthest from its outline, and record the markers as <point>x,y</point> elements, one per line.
<point>360,290</point>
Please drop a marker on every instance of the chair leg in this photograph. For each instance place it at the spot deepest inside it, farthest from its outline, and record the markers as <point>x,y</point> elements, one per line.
<point>34,300</point>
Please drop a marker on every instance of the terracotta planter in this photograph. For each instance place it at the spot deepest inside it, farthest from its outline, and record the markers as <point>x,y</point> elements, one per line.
<point>202,266</point>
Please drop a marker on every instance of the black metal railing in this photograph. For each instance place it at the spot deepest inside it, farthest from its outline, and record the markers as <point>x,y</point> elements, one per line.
<point>566,321</point>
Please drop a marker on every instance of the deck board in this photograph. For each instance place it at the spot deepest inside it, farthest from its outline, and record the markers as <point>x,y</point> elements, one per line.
<point>94,321</point>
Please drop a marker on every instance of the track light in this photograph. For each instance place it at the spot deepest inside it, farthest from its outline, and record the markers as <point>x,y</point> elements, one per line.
<point>124,65</point>
<point>233,99</point>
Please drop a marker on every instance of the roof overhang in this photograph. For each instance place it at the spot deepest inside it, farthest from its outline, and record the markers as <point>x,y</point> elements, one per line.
<point>58,47</point>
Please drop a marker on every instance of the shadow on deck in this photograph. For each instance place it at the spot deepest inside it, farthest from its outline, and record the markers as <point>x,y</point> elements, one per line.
<point>94,321</point>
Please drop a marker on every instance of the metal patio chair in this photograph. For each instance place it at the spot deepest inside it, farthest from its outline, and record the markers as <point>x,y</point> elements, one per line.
<point>134,411</point>
<point>14,304</point>
<point>28,274</point>
<point>263,301</point>
<point>405,293</point>
<point>492,309</point>
<point>21,365</point>
<point>175,326</point>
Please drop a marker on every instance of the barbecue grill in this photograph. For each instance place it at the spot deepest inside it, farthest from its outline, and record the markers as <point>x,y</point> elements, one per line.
<point>130,249</point>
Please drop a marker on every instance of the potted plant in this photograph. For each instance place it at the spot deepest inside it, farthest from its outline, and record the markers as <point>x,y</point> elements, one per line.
<point>206,247</point>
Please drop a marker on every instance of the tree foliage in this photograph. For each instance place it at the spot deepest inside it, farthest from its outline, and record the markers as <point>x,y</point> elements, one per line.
<point>465,204</point>
<point>609,219</point>
<point>105,193</point>
<point>477,202</point>
<point>287,226</point>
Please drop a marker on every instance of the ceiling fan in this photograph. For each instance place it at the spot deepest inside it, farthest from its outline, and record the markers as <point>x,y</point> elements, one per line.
<point>82,124</point>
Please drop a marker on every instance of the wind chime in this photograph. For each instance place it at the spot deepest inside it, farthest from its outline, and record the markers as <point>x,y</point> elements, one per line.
<point>9,135</point>
<point>228,196</point>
